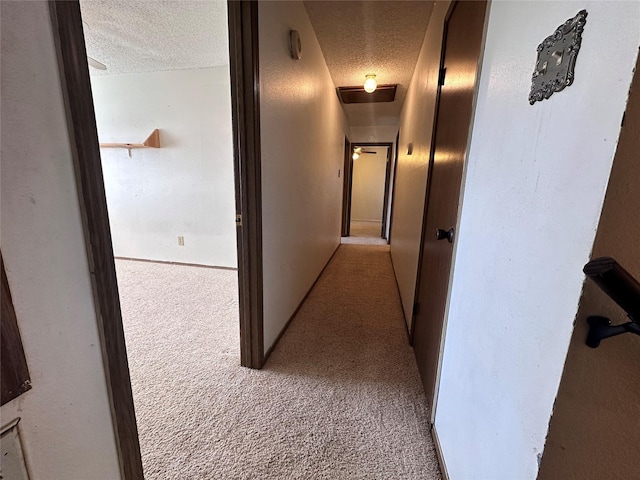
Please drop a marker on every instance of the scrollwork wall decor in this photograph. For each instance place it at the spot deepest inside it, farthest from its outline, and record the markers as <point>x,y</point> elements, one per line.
<point>557,59</point>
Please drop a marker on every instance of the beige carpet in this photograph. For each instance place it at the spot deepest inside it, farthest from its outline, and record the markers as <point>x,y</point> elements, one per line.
<point>364,233</point>
<point>340,397</point>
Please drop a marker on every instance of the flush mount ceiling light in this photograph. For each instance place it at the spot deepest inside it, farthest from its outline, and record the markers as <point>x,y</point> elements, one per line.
<point>383,93</point>
<point>370,84</point>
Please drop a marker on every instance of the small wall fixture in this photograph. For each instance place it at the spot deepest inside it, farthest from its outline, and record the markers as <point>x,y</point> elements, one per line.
<point>295,45</point>
<point>152,141</point>
<point>370,84</point>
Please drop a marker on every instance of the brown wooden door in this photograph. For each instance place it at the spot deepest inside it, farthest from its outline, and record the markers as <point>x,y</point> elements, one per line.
<point>347,172</point>
<point>462,45</point>
<point>385,198</point>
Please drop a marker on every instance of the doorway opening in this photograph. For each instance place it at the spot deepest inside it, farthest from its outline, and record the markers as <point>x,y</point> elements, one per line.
<point>367,191</point>
<point>153,148</point>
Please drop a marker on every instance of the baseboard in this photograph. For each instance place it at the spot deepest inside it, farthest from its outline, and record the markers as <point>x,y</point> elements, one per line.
<point>295,312</point>
<point>404,317</point>
<point>439,454</point>
<point>166,262</point>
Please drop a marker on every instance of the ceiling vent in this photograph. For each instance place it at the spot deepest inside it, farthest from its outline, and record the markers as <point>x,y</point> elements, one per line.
<point>384,93</point>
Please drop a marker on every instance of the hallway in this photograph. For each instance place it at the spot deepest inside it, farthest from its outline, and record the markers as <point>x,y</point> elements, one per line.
<point>340,397</point>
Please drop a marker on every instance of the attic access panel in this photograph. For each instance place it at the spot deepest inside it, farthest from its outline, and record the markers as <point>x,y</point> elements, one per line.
<point>384,93</point>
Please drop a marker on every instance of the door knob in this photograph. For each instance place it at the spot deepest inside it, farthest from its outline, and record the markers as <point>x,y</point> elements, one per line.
<point>441,234</point>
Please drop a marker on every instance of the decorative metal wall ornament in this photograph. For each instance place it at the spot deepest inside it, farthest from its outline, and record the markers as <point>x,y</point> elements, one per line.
<point>557,59</point>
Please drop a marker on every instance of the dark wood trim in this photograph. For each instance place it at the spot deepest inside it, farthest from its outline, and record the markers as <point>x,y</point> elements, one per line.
<point>295,312</point>
<point>349,188</point>
<point>346,188</point>
<point>245,101</point>
<point>15,376</point>
<point>385,206</point>
<point>429,170</point>
<point>393,188</point>
<point>166,262</point>
<point>78,102</point>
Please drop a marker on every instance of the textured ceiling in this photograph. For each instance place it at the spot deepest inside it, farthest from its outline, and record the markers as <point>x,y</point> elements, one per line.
<point>380,37</point>
<point>134,36</point>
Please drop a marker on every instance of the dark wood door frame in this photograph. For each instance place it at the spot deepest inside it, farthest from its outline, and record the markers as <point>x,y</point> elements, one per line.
<point>68,35</point>
<point>14,378</point>
<point>347,170</point>
<point>433,401</point>
<point>245,100</point>
<point>347,201</point>
<point>81,122</point>
<point>393,186</point>
<point>387,185</point>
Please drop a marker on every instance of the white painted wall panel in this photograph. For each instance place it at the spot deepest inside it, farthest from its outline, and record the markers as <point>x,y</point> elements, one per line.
<point>66,422</point>
<point>369,175</point>
<point>302,133</point>
<point>373,133</point>
<point>535,184</point>
<point>185,188</point>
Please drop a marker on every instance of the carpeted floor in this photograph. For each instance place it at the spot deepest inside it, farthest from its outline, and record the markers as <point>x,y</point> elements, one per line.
<point>364,233</point>
<point>340,397</point>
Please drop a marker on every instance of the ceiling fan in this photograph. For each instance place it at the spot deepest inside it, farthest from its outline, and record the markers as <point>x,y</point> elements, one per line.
<point>357,151</point>
<point>96,64</point>
<point>92,61</point>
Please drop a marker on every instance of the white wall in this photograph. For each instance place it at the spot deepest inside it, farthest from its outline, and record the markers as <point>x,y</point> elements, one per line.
<point>302,131</point>
<point>373,133</point>
<point>369,175</point>
<point>416,125</point>
<point>66,419</point>
<point>535,184</point>
<point>185,188</point>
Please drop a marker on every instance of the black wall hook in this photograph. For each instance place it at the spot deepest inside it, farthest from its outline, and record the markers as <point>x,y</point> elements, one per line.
<point>623,289</point>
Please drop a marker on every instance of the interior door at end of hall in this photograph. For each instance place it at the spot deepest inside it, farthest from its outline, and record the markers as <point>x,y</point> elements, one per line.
<point>462,46</point>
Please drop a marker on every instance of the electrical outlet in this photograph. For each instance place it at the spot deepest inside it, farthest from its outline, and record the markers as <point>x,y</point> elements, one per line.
<point>181,241</point>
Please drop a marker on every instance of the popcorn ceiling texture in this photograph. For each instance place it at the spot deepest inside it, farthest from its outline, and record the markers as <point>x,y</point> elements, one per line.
<point>356,37</point>
<point>133,36</point>
<point>340,397</point>
<point>380,37</point>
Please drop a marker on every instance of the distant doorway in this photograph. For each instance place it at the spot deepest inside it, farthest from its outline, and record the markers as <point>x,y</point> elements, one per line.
<point>367,172</point>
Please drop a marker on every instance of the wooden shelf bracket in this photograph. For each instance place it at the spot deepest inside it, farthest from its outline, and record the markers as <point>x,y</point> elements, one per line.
<point>152,141</point>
